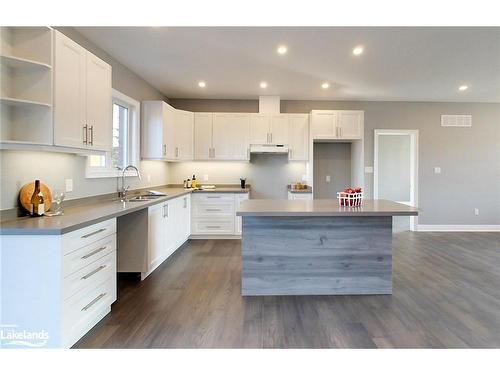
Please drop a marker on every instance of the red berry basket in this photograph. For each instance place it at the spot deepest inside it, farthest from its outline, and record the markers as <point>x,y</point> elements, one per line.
<point>350,197</point>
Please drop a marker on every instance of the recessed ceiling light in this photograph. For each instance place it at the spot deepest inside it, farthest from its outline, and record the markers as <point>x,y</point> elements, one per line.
<point>463,87</point>
<point>282,50</point>
<point>325,85</point>
<point>202,84</point>
<point>263,85</point>
<point>357,50</point>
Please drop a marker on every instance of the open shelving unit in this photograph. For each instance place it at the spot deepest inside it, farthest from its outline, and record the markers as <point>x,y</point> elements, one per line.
<point>26,93</point>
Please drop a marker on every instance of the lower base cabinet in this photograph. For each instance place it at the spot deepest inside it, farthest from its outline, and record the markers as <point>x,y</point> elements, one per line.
<point>295,196</point>
<point>148,237</point>
<point>67,284</point>
<point>214,215</point>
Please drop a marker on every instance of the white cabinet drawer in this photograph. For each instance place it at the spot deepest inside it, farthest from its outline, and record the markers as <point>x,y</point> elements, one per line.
<point>215,209</point>
<point>213,226</point>
<point>82,237</point>
<point>82,311</point>
<point>83,256</point>
<point>212,197</point>
<point>91,276</point>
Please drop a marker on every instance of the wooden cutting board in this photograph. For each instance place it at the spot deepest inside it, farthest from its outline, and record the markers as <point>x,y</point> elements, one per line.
<point>27,191</point>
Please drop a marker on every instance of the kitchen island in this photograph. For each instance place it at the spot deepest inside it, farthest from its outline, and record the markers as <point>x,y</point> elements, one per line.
<point>317,247</point>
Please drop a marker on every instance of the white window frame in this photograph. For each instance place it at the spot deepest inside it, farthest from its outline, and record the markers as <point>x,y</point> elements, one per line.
<point>134,108</point>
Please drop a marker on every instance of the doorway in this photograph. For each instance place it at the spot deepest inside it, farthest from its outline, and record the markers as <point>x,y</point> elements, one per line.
<point>395,171</point>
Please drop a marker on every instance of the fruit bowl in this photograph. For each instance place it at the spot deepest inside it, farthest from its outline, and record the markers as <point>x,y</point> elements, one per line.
<point>350,197</point>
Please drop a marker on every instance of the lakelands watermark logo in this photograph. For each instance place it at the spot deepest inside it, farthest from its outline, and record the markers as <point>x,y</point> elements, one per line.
<point>11,335</point>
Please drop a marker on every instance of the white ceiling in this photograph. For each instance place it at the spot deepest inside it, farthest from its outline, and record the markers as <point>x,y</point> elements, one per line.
<point>414,64</point>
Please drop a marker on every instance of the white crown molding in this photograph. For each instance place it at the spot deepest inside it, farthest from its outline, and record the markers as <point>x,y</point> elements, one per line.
<point>458,228</point>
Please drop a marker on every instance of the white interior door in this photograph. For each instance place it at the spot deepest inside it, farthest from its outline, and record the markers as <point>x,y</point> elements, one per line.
<point>395,168</point>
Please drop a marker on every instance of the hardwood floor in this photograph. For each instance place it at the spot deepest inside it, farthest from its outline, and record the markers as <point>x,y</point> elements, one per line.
<point>446,294</point>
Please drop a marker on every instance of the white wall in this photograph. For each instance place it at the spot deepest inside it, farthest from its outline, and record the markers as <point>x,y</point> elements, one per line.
<point>268,174</point>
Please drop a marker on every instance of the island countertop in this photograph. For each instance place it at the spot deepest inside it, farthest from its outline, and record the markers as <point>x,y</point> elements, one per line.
<point>322,207</point>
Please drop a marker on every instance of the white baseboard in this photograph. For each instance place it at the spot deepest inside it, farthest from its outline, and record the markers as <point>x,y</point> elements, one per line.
<point>458,228</point>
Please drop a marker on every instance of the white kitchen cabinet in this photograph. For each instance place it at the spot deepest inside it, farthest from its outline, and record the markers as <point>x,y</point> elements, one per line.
<point>324,124</point>
<point>238,198</point>
<point>82,97</point>
<point>156,235</point>
<point>260,126</point>
<point>231,135</point>
<point>67,283</point>
<point>203,145</point>
<point>166,133</point>
<point>98,103</point>
<point>350,124</point>
<point>183,135</point>
<point>337,124</point>
<point>297,196</point>
<point>298,137</point>
<point>268,128</point>
<point>70,127</point>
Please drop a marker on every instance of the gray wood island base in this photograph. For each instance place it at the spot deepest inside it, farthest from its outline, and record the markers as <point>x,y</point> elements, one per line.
<point>317,247</point>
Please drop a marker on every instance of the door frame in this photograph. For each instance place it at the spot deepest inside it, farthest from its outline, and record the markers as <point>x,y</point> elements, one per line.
<point>413,166</point>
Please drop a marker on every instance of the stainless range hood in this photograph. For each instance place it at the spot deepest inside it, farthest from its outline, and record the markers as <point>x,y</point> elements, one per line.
<point>269,149</point>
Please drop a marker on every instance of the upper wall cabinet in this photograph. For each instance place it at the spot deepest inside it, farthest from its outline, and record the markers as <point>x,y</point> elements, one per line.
<point>166,133</point>
<point>337,124</point>
<point>82,97</point>
<point>268,128</point>
<point>231,136</point>
<point>298,137</point>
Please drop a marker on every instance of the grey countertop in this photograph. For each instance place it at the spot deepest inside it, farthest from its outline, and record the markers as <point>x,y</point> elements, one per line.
<point>322,207</point>
<point>80,216</point>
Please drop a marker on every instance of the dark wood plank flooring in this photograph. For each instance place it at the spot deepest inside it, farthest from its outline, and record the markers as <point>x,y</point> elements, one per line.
<point>446,294</point>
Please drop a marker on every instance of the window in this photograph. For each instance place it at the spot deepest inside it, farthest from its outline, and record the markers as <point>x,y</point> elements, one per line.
<point>125,139</point>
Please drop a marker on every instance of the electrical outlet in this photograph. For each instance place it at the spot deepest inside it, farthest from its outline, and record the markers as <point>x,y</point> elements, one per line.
<point>304,178</point>
<point>368,169</point>
<point>476,211</point>
<point>205,177</point>
<point>328,179</point>
<point>437,170</point>
<point>69,185</point>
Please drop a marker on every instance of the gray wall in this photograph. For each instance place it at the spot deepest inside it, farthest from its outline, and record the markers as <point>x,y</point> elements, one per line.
<point>334,160</point>
<point>469,157</point>
<point>20,167</point>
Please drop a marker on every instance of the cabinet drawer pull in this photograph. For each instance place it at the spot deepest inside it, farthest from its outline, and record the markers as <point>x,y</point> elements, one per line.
<point>213,197</point>
<point>94,252</point>
<point>213,226</point>
<point>94,301</point>
<point>213,209</point>
<point>100,268</point>
<point>93,233</point>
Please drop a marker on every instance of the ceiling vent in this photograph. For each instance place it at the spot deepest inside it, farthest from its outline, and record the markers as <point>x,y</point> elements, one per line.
<point>462,121</point>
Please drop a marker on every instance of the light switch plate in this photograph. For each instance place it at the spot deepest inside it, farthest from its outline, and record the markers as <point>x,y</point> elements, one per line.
<point>69,185</point>
<point>328,178</point>
<point>368,169</point>
<point>437,170</point>
<point>205,177</point>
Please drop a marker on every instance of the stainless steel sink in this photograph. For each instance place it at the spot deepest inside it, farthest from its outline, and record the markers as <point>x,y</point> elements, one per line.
<point>145,198</point>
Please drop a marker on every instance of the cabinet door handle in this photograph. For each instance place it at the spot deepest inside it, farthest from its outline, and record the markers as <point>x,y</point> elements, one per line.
<point>164,150</point>
<point>91,130</point>
<point>85,134</point>
<point>213,210</point>
<point>213,226</point>
<point>271,135</point>
<point>93,233</point>
<point>289,153</point>
<point>185,202</point>
<point>94,301</point>
<point>165,210</point>
<point>177,152</point>
<point>100,268</point>
<point>86,256</point>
